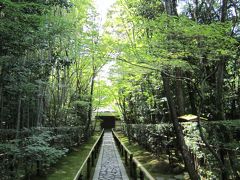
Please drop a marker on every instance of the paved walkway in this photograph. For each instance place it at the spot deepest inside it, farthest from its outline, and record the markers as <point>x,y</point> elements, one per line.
<point>109,165</point>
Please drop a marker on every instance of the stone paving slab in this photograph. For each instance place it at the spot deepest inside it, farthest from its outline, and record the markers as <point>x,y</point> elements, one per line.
<point>109,165</point>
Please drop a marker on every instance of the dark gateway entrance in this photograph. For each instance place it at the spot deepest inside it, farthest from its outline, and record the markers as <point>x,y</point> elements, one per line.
<point>108,122</point>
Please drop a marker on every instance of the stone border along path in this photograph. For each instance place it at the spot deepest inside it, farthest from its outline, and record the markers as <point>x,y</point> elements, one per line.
<point>109,165</point>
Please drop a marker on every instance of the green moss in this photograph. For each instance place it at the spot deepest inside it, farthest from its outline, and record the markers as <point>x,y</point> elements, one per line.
<point>68,166</point>
<point>156,166</point>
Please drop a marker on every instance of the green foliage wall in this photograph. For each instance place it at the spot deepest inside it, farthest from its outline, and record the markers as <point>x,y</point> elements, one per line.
<point>160,139</point>
<point>35,150</point>
<point>47,60</point>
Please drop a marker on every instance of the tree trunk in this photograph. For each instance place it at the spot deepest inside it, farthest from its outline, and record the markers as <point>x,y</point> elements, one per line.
<point>1,107</point>
<point>125,118</point>
<point>192,99</point>
<point>196,11</point>
<point>57,105</point>
<point>179,92</point>
<point>224,10</point>
<point>174,7</point>
<point>220,73</point>
<point>39,108</point>
<point>219,91</point>
<point>171,7</point>
<point>89,116</point>
<point>28,116</point>
<point>18,116</point>
<point>188,161</point>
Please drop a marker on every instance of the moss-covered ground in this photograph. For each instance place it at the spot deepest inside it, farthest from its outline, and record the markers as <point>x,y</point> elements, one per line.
<point>67,167</point>
<point>158,167</point>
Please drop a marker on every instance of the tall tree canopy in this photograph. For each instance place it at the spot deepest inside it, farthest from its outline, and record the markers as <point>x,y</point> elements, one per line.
<point>183,57</point>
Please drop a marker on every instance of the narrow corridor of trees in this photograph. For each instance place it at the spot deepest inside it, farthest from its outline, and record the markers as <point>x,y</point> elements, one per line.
<point>170,58</point>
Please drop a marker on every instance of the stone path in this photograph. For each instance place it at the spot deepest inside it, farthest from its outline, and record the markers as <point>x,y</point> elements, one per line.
<point>109,165</point>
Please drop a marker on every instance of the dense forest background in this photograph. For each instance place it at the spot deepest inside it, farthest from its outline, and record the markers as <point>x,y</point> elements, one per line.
<point>169,58</point>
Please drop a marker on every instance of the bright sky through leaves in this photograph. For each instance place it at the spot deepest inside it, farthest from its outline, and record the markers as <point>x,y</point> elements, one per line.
<point>102,7</point>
